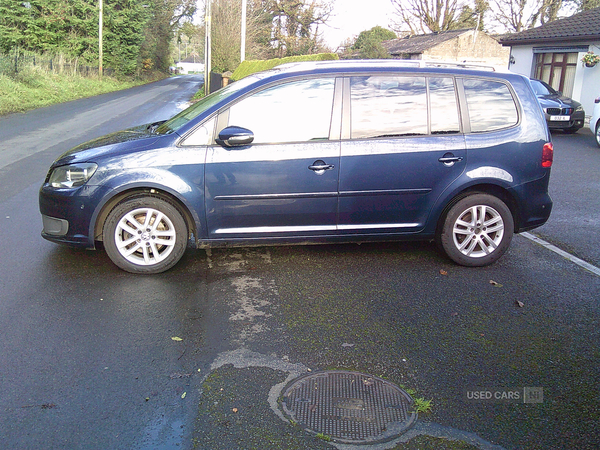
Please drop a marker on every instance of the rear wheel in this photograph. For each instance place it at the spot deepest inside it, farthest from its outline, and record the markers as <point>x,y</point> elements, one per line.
<point>145,235</point>
<point>598,134</point>
<point>477,230</point>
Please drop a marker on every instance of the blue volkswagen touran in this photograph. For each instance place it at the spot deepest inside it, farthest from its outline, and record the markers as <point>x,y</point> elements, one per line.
<point>338,151</point>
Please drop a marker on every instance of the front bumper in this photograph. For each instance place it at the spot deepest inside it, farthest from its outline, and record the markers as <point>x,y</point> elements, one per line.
<point>576,121</point>
<point>68,214</point>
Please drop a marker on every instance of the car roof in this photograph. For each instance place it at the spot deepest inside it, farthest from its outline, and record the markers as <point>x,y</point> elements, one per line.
<point>377,64</point>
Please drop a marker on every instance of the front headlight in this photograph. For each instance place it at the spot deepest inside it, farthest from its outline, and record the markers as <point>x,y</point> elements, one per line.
<point>71,176</point>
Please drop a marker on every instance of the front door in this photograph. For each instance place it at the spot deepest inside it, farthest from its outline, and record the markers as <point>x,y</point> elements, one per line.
<point>285,183</point>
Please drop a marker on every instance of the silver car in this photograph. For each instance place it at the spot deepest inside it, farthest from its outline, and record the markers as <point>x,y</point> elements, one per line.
<point>595,121</point>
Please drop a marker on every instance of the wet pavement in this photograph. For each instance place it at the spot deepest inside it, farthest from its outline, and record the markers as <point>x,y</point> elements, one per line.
<point>96,358</point>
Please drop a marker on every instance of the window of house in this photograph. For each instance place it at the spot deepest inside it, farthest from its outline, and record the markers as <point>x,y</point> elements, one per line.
<point>491,105</point>
<point>558,70</point>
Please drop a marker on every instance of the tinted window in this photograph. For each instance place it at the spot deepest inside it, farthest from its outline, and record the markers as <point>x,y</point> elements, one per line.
<point>388,106</point>
<point>292,112</point>
<point>444,109</point>
<point>491,105</point>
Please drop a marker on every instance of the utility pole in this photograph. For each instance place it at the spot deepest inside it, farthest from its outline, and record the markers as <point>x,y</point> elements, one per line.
<point>243,46</point>
<point>100,24</point>
<point>207,48</point>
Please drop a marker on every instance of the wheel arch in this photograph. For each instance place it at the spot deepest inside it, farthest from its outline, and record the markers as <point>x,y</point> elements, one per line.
<point>482,188</point>
<point>162,194</point>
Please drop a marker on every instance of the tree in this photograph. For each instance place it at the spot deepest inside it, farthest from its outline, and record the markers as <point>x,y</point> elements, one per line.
<point>421,16</point>
<point>295,25</point>
<point>519,15</point>
<point>274,28</point>
<point>473,17</point>
<point>368,43</point>
<point>133,31</point>
<point>165,17</point>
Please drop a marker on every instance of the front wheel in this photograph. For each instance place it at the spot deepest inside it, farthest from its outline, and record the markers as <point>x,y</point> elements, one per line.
<point>477,230</point>
<point>598,133</point>
<point>145,235</point>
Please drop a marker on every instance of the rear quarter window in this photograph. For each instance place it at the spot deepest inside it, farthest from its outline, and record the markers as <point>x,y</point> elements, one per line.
<point>491,105</point>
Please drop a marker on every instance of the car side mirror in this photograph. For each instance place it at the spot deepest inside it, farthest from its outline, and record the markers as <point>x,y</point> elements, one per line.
<point>235,137</point>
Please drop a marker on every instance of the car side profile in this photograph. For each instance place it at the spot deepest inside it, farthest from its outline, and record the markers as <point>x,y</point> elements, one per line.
<point>319,152</point>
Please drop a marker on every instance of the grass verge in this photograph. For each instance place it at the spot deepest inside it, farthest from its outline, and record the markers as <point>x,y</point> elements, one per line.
<point>34,88</point>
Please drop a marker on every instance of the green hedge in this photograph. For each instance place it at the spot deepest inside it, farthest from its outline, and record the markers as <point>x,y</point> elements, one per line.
<point>249,67</point>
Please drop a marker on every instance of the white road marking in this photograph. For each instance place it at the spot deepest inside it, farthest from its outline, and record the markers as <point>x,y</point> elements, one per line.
<point>595,270</point>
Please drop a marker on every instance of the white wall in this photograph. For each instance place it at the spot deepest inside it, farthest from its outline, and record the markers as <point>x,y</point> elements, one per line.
<point>590,82</point>
<point>523,60</point>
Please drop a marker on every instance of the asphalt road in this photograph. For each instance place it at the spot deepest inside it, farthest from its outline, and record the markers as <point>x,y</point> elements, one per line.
<point>88,359</point>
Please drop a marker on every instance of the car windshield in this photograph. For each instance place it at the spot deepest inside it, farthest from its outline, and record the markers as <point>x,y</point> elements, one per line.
<point>176,122</point>
<point>541,88</point>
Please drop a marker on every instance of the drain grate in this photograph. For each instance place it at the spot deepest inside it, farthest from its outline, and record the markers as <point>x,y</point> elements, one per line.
<point>349,407</point>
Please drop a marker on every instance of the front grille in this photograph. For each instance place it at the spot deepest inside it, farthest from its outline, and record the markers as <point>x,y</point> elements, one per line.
<point>559,111</point>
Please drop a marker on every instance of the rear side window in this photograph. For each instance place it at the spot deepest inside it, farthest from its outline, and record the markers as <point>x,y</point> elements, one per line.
<point>444,109</point>
<point>491,105</point>
<point>388,106</point>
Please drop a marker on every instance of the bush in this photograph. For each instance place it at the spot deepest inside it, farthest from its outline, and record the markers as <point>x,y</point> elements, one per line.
<point>249,67</point>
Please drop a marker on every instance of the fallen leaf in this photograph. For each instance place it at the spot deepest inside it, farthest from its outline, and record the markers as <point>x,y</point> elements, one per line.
<point>454,314</point>
<point>175,338</point>
<point>235,410</point>
<point>493,283</point>
<point>345,345</point>
<point>443,272</point>
<point>520,304</point>
<point>183,395</point>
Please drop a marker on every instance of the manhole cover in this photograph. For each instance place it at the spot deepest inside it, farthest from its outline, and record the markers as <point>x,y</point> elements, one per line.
<point>349,407</point>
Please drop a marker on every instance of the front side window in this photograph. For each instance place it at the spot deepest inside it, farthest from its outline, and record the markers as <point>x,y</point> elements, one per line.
<point>297,111</point>
<point>203,135</point>
<point>491,105</point>
<point>388,106</point>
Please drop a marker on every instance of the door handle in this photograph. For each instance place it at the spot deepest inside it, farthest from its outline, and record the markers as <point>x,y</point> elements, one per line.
<point>449,159</point>
<point>319,167</point>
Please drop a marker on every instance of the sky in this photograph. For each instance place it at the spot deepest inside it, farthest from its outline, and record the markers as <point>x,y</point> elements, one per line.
<point>350,17</point>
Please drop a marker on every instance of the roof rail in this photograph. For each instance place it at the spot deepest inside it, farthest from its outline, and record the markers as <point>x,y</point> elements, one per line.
<point>463,65</point>
<point>385,62</point>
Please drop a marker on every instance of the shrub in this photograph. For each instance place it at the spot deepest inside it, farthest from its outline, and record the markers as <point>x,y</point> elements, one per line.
<point>249,67</point>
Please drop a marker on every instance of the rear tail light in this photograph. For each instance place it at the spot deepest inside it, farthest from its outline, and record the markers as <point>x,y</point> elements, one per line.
<point>547,155</point>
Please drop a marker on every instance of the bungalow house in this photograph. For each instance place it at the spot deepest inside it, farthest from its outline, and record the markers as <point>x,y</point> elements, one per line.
<point>553,53</point>
<point>466,46</point>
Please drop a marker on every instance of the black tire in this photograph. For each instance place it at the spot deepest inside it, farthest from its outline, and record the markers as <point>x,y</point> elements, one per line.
<point>477,230</point>
<point>145,235</point>
<point>597,135</point>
